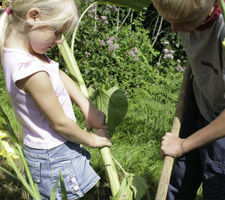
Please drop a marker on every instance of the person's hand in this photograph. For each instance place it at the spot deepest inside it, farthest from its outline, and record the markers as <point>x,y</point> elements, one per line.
<point>171,146</point>
<point>101,138</point>
<point>95,119</point>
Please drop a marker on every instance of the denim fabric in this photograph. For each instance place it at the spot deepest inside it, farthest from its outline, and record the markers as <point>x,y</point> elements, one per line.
<point>204,165</point>
<point>74,163</point>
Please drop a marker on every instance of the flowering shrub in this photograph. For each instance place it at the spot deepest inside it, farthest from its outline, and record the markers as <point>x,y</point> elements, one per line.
<point>117,50</point>
<point>167,58</point>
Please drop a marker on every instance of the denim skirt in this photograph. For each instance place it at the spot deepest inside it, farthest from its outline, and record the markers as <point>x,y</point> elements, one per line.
<point>71,159</point>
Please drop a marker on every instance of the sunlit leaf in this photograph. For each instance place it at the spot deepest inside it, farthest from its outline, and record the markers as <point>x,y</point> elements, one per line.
<point>3,134</point>
<point>114,104</point>
<point>7,149</point>
<point>52,197</point>
<point>63,187</point>
<point>139,187</point>
<point>21,177</point>
<point>125,192</point>
<point>132,187</point>
<point>19,151</point>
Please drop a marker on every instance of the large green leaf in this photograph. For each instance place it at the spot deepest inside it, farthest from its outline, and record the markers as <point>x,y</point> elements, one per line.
<point>135,4</point>
<point>125,192</point>
<point>132,187</point>
<point>113,103</point>
<point>139,187</point>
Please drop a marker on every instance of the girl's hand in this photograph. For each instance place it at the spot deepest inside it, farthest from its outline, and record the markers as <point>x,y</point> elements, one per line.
<point>171,146</point>
<point>101,138</point>
<point>95,118</point>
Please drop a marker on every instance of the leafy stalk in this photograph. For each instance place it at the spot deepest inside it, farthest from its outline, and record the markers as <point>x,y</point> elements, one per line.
<point>110,170</point>
<point>52,197</point>
<point>27,170</point>
<point>8,172</point>
<point>22,179</point>
<point>63,187</point>
<point>72,65</point>
<point>105,152</point>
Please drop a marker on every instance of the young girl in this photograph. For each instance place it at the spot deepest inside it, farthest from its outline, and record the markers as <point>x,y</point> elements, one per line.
<point>41,95</point>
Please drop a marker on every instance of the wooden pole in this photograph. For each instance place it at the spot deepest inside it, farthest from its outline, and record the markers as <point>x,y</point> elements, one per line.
<point>168,161</point>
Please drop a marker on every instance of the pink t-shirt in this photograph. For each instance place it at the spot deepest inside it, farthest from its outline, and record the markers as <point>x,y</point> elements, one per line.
<point>36,131</point>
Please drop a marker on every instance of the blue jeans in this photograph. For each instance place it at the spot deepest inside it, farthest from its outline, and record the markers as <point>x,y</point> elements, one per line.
<point>71,159</point>
<point>205,165</point>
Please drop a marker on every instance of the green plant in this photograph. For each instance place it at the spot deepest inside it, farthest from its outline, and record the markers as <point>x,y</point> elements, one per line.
<point>103,102</point>
<point>15,151</point>
<point>132,75</point>
<point>110,56</point>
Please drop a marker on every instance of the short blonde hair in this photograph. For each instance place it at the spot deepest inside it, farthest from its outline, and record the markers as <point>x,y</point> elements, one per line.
<point>55,13</point>
<point>180,9</point>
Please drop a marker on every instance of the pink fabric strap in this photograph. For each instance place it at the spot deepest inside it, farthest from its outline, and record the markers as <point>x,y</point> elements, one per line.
<point>8,11</point>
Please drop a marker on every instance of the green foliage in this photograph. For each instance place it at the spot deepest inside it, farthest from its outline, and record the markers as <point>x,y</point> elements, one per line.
<point>132,187</point>
<point>119,55</point>
<point>136,4</point>
<point>113,48</point>
<point>113,103</point>
<point>151,110</point>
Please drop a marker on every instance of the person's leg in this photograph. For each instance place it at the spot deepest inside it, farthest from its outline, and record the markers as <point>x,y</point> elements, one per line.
<point>213,160</point>
<point>186,176</point>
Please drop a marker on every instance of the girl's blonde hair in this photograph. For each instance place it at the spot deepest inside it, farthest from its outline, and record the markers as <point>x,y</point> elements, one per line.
<point>181,9</point>
<point>55,13</point>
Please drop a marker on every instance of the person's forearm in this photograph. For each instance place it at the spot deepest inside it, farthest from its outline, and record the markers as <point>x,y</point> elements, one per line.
<point>76,94</point>
<point>68,129</point>
<point>210,133</point>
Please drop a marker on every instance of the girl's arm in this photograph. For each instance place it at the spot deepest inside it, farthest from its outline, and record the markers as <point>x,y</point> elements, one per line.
<point>94,118</point>
<point>176,147</point>
<point>40,88</point>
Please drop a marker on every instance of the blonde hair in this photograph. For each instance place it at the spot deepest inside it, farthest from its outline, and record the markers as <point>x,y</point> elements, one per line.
<point>55,13</point>
<point>181,9</point>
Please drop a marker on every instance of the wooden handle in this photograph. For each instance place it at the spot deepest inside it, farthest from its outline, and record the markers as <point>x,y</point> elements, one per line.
<point>168,161</point>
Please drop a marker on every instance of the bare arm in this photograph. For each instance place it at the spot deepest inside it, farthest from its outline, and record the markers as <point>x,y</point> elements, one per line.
<point>175,147</point>
<point>94,118</point>
<point>40,88</point>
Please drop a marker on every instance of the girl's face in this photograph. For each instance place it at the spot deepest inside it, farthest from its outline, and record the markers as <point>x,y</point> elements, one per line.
<point>43,38</point>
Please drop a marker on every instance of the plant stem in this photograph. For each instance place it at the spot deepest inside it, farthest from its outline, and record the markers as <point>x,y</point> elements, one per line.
<point>105,152</point>
<point>72,65</point>
<point>22,179</point>
<point>110,170</point>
